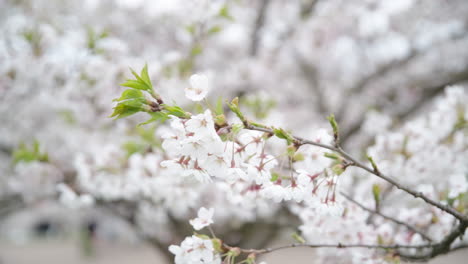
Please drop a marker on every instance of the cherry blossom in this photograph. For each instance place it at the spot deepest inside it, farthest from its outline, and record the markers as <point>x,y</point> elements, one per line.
<point>204,218</point>
<point>200,85</point>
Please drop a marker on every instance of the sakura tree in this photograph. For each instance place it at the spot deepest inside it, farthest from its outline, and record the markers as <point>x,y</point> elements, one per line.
<point>222,143</point>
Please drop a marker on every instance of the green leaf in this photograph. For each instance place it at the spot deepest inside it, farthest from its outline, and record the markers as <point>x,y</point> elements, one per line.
<point>24,154</point>
<point>332,156</point>
<point>291,150</point>
<point>376,194</point>
<point>220,120</point>
<point>67,116</point>
<point>219,110</point>
<point>130,94</point>
<point>214,30</point>
<point>137,77</point>
<point>196,50</point>
<point>236,128</point>
<point>136,102</point>
<point>234,106</point>
<point>374,166</point>
<point>298,157</point>
<point>139,85</point>
<point>334,125</point>
<point>281,133</point>
<point>224,13</point>
<point>337,169</point>
<point>156,116</point>
<point>176,111</point>
<point>298,238</point>
<point>274,177</point>
<point>190,29</point>
<point>203,236</point>
<point>144,75</point>
<point>133,147</point>
<point>217,245</point>
<point>122,110</point>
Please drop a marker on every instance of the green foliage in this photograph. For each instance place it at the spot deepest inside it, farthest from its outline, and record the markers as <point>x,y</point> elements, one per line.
<point>214,30</point>
<point>34,38</point>
<point>298,157</point>
<point>376,194</point>
<point>298,238</point>
<point>234,106</point>
<point>144,142</point>
<point>224,13</point>
<point>374,166</point>
<point>93,37</point>
<point>176,111</point>
<point>334,125</point>
<point>260,107</point>
<point>274,176</point>
<point>25,154</point>
<point>129,94</point>
<point>219,109</point>
<point>124,109</point>
<point>332,156</point>
<point>155,117</point>
<point>220,120</point>
<point>338,169</point>
<point>236,128</point>
<point>196,50</point>
<point>281,133</point>
<point>67,116</point>
<point>217,245</point>
<point>133,100</point>
<point>141,82</point>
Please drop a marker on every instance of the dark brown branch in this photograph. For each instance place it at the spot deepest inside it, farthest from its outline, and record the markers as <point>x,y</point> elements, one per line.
<point>443,247</point>
<point>260,20</point>
<point>308,8</point>
<point>311,75</point>
<point>338,246</point>
<point>427,96</point>
<point>383,70</point>
<point>409,227</point>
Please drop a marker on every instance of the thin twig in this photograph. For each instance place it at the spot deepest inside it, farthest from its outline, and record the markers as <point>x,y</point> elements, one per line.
<point>339,246</point>
<point>412,228</point>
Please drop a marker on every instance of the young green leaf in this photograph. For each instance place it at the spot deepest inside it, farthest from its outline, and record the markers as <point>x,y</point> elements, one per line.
<point>176,111</point>
<point>130,94</point>
<point>281,133</point>
<point>24,154</point>
<point>122,110</point>
<point>145,77</point>
<point>156,116</point>
<point>139,85</point>
<point>298,238</point>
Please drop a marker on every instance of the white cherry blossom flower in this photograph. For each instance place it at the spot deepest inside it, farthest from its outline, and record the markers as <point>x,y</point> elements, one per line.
<point>204,218</point>
<point>200,84</point>
<point>195,250</point>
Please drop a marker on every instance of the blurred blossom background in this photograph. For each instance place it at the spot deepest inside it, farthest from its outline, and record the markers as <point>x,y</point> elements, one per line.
<point>71,184</point>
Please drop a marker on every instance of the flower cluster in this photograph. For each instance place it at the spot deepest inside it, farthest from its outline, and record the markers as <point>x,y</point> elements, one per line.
<point>206,158</point>
<point>195,250</point>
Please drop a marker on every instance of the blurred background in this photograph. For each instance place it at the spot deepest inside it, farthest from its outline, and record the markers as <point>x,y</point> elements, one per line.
<point>375,64</point>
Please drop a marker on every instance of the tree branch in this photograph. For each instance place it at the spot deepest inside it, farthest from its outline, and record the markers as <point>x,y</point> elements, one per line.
<point>409,227</point>
<point>260,20</point>
<point>428,95</point>
<point>442,247</point>
<point>338,246</point>
<point>354,162</point>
